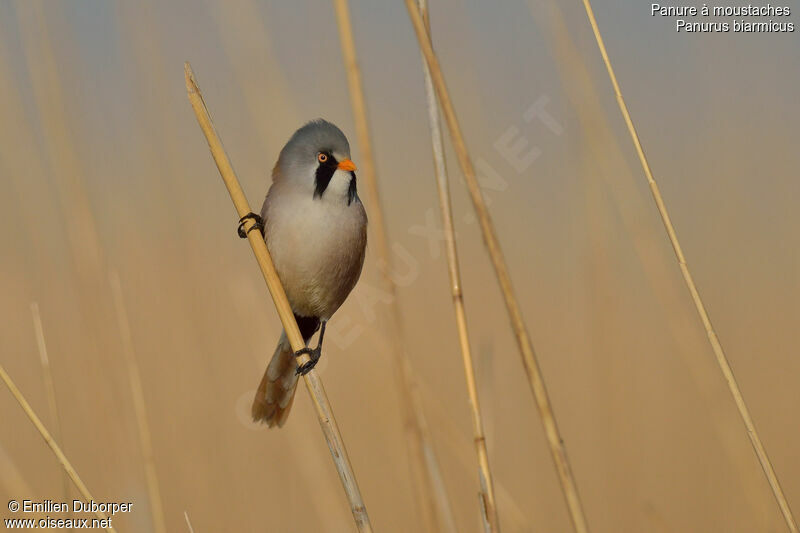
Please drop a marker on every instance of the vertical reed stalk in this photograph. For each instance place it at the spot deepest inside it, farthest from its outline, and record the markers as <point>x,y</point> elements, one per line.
<point>313,383</point>
<point>486,496</point>
<point>48,438</point>
<point>602,159</point>
<point>529,359</point>
<point>431,494</point>
<point>49,387</point>
<point>139,407</point>
<point>514,518</point>
<point>246,24</point>
<point>719,353</point>
<point>59,140</point>
<point>11,479</point>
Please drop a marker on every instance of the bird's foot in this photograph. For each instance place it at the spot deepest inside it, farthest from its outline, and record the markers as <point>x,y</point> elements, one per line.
<point>313,354</point>
<point>258,222</point>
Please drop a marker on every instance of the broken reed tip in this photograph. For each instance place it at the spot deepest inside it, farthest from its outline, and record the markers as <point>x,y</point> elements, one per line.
<point>191,85</point>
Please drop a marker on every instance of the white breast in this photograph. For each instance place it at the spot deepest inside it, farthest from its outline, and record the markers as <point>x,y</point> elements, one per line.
<point>317,245</point>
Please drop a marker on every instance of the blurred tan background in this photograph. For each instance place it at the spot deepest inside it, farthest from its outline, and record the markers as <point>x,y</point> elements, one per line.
<point>104,172</point>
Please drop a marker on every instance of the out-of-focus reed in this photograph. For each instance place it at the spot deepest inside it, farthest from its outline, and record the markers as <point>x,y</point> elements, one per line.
<point>487,501</point>
<point>713,339</point>
<point>48,438</point>
<point>430,493</point>
<point>530,362</point>
<point>139,406</point>
<point>49,387</point>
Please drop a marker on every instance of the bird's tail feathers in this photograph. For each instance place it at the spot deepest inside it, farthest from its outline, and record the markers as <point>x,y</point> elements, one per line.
<point>275,393</point>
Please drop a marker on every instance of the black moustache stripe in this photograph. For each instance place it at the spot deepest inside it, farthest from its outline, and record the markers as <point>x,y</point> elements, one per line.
<point>324,174</point>
<point>351,190</point>
<point>323,178</point>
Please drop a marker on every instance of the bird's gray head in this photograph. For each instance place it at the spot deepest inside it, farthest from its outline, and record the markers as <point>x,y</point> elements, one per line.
<point>317,160</point>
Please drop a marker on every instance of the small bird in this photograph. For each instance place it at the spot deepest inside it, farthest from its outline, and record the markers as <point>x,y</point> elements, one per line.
<point>315,228</point>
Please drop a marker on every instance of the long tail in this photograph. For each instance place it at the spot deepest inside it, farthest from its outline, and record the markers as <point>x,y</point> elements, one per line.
<point>276,391</point>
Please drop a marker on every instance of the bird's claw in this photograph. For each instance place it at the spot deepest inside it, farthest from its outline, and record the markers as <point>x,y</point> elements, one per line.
<point>313,354</point>
<point>258,222</point>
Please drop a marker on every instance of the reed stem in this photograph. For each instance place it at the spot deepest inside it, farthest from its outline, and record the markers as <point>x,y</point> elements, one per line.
<point>529,359</point>
<point>49,387</point>
<point>431,494</point>
<point>48,439</point>
<point>487,502</point>
<point>11,478</point>
<point>313,382</point>
<point>716,346</point>
<point>139,407</point>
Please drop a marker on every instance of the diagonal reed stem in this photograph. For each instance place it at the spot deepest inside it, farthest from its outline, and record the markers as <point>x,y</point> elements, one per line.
<point>488,506</point>
<point>719,353</point>
<point>431,493</point>
<point>529,359</point>
<point>313,383</point>
<point>139,407</point>
<point>49,387</point>
<point>73,475</point>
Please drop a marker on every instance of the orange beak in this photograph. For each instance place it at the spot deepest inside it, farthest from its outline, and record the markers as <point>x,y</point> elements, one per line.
<point>346,165</point>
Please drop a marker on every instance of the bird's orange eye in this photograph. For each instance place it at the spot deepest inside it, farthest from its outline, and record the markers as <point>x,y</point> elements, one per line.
<point>322,158</point>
